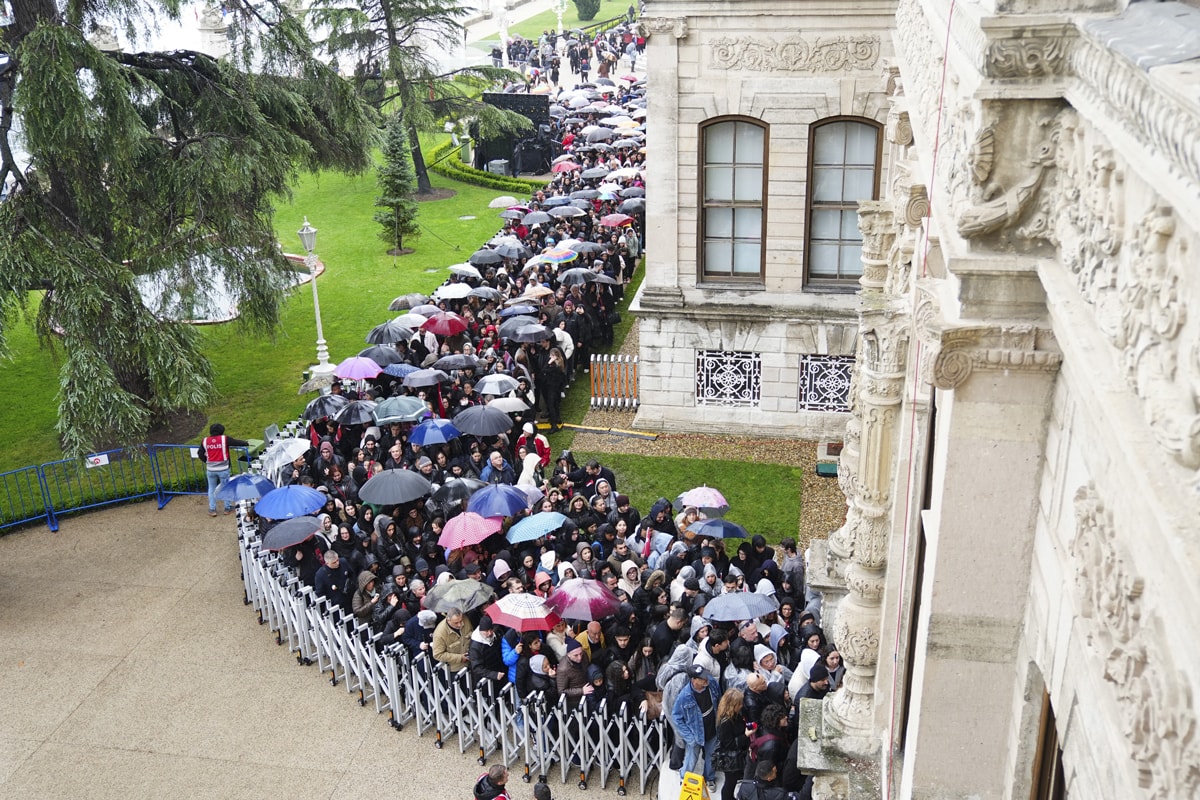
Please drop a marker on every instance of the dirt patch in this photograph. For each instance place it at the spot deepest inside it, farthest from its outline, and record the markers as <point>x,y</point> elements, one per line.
<point>173,428</point>
<point>434,194</point>
<point>403,251</point>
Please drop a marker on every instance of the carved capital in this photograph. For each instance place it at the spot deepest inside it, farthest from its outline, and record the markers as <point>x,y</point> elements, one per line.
<point>677,26</point>
<point>1029,55</point>
<point>898,129</point>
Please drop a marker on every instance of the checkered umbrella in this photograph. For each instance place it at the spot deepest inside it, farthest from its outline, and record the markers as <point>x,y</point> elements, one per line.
<point>522,612</point>
<point>583,599</point>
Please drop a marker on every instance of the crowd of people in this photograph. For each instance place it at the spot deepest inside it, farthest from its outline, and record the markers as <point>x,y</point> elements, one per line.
<point>729,689</point>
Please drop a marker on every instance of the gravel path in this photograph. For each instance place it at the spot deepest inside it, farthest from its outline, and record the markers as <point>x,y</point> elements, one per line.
<point>823,506</point>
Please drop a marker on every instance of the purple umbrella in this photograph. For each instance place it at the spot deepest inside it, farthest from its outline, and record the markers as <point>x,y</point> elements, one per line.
<point>357,368</point>
<point>583,599</point>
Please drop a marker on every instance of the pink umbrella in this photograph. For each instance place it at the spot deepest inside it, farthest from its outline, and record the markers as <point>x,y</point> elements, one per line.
<point>522,612</point>
<point>357,368</point>
<point>467,529</point>
<point>582,599</point>
<point>445,323</point>
<point>565,166</point>
<point>706,498</point>
<point>615,220</point>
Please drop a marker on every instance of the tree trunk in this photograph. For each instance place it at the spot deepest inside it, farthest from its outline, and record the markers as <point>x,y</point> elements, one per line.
<point>424,186</point>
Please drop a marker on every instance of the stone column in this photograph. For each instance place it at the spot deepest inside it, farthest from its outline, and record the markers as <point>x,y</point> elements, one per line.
<point>879,391</point>
<point>661,286</point>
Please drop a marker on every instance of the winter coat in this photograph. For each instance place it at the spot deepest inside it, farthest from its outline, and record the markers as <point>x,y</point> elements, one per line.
<point>485,660</point>
<point>450,647</point>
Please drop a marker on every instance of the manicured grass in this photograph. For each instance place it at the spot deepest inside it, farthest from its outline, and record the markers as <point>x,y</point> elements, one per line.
<point>763,498</point>
<point>548,21</point>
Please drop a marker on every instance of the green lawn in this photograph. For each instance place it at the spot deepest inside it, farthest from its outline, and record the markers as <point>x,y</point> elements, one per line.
<point>548,21</point>
<point>763,498</point>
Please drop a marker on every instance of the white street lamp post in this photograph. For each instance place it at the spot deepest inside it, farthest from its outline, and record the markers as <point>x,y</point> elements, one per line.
<point>559,7</point>
<point>308,238</point>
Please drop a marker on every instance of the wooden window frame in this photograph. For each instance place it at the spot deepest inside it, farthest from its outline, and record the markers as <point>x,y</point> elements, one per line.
<point>742,279</point>
<point>848,283</point>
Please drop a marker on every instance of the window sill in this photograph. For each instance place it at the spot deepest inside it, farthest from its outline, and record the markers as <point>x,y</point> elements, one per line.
<point>849,286</point>
<point>731,285</point>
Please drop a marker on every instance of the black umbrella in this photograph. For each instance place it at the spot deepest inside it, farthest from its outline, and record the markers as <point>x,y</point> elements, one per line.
<point>457,361</point>
<point>531,333</point>
<point>585,248</point>
<point>510,325</point>
<point>576,277</point>
<point>425,377</point>
<point>325,406</point>
<point>567,211</point>
<point>633,191</point>
<point>463,595</point>
<point>512,213</point>
<point>388,332</point>
<point>595,172</point>
<point>393,486</point>
<point>634,205</point>
<point>385,355</point>
<point>456,490</point>
<point>485,293</point>
<point>599,135</point>
<point>481,258</point>
<point>482,421</point>
<point>586,194</point>
<point>602,278</point>
<point>536,218</point>
<point>356,412</point>
<point>407,301</point>
<point>513,250</point>
<point>291,532</point>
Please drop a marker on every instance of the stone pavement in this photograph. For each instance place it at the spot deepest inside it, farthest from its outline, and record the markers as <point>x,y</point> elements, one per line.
<point>131,669</point>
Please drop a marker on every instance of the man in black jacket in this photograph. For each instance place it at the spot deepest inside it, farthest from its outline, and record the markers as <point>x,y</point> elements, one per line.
<point>484,656</point>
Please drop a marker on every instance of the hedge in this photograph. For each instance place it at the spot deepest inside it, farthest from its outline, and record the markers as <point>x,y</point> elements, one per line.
<point>454,169</point>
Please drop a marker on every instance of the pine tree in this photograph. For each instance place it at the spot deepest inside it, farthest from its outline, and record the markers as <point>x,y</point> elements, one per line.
<point>587,10</point>
<point>148,161</point>
<point>397,183</point>
<point>396,39</point>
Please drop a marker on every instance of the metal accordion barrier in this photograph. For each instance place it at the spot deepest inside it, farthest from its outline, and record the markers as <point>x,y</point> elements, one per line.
<point>530,735</point>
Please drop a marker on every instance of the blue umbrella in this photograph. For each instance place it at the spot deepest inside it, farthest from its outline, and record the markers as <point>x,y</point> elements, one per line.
<point>434,431</point>
<point>288,502</point>
<point>719,529</point>
<point>514,311</point>
<point>399,370</point>
<point>246,486</point>
<point>498,500</point>
<point>536,527</point>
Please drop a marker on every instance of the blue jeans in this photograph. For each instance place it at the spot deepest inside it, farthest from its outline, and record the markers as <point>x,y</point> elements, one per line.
<point>214,479</point>
<point>693,753</point>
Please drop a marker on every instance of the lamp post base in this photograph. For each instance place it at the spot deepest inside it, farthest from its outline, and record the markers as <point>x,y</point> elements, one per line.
<point>321,369</point>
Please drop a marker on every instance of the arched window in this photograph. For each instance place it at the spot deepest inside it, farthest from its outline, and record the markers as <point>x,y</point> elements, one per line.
<point>733,181</point>
<point>843,169</point>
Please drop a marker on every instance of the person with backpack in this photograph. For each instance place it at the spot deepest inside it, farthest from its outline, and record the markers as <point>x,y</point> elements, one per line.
<point>767,742</point>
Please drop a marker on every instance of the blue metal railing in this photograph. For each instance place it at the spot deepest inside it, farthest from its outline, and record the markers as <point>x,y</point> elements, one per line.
<point>49,491</point>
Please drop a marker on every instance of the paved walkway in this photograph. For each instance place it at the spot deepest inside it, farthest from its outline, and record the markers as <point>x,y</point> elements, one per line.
<point>131,669</point>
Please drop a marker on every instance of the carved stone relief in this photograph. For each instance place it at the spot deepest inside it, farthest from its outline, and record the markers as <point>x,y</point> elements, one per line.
<point>673,25</point>
<point>1133,284</point>
<point>1028,57</point>
<point>796,54</point>
<point>1154,698</point>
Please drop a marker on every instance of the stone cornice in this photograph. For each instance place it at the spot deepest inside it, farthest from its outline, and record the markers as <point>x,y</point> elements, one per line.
<point>1129,96</point>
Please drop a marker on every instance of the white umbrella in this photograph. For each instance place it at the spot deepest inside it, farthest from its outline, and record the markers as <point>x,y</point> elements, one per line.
<point>509,405</point>
<point>466,271</point>
<point>504,201</point>
<point>410,320</point>
<point>280,454</point>
<point>452,291</point>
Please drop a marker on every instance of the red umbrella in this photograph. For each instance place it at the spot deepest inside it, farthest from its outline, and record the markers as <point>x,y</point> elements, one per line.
<point>445,323</point>
<point>583,599</point>
<point>467,529</point>
<point>565,166</point>
<point>522,612</point>
<point>615,220</point>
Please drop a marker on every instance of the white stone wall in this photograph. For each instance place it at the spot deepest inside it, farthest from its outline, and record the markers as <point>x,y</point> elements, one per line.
<point>789,71</point>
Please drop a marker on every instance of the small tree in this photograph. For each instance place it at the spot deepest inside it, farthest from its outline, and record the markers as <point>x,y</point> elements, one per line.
<point>587,9</point>
<point>397,183</point>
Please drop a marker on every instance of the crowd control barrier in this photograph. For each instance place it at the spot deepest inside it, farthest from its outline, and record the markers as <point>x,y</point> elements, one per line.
<point>51,490</point>
<point>487,720</point>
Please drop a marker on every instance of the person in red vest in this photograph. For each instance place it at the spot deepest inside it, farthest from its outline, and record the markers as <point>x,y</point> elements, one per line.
<point>214,452</point>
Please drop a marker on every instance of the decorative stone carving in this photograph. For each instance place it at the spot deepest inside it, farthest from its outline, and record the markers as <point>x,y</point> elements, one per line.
<point>898,129</point>
<point>1028,57</point>
<point>876,222</point>
<point>795,54</point>
<point>1163,124</point>
<point>1154,699</point>
<point>994,208</point>
<point>676,26</point>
